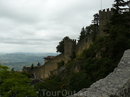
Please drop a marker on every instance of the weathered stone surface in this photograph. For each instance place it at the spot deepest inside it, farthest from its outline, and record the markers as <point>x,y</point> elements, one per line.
<point>116,84</point>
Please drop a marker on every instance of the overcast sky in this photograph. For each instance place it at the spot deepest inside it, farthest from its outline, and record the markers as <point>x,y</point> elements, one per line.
<point>39,25</point>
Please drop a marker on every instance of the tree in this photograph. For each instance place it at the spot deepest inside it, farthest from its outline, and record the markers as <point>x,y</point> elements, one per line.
<point>96,19</point>
<point>38,64</point>
<point>60,47</point>
<point>50,84</point>
<point>32,66</point>
<point>77,81</point>
<point>3,67</point>
<point>92,30</point>
<point>14,84</point>
<point>82,34</point>
<point>119,32</point>
<point>12,69</point>
<point>117,6</point>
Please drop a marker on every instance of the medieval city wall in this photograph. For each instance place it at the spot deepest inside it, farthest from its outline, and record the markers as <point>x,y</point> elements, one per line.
<point>104,18</point>
<point>70,46</point>
<point>83,44</point>
<point>44,70</point>
<point>52,64</point>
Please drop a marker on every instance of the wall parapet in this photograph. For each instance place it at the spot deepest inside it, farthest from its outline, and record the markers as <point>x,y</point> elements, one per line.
<point>43,71</point>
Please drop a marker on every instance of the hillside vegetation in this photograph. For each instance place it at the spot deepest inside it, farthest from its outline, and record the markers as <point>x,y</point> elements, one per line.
<point>99,60</point>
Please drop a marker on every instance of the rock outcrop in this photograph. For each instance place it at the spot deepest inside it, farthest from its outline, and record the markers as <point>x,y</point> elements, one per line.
<point>116,84</point>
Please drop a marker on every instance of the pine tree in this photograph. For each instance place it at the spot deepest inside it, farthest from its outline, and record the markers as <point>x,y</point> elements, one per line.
<point>95,21</point>
<point>117,6</point>
<point>38,64</point>
<point>82,34</point>
<point>119,32</point>
<point>32,66</point>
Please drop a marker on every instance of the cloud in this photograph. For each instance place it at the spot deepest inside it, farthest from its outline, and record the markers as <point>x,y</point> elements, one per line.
<point>39,25</point>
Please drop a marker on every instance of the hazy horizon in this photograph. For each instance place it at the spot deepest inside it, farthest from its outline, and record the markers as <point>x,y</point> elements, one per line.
<point>29,53</point>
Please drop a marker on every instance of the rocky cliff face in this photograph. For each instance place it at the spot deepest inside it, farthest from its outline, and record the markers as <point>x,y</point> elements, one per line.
<point>116,84</point>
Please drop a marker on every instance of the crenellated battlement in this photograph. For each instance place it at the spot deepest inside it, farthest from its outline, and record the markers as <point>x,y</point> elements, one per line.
<point>105,14</point>
<point>106,10</point>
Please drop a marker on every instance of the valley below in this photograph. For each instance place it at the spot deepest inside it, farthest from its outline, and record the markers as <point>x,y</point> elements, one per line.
<point>17,61</point>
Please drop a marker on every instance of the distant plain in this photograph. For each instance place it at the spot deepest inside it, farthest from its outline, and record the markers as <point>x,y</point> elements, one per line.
<point>18,60</point>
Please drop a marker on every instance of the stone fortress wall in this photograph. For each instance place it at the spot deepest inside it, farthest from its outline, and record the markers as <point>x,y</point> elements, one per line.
<point>43,71</point>
<point>70,46</point>
<point>83,44</point>
<point>104,18</point>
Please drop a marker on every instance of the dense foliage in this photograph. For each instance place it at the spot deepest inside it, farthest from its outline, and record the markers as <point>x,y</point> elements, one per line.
<point>14,84</point>
<point>60,47</point>
<point>49,87</point>
<point>117,6</point>
<point>91,30</point>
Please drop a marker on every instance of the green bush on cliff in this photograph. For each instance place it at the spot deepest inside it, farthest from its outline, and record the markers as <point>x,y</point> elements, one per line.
<point>14,84</point>
<point>60,64</point>
<point>77,81</point>
<point>51,85</point>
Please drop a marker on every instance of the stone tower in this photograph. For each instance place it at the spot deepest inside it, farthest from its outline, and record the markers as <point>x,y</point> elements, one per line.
<point>69,48</point>
<point>104,18</point>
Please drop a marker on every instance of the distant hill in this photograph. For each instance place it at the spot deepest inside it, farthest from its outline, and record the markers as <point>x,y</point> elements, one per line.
<point>18,60</point>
